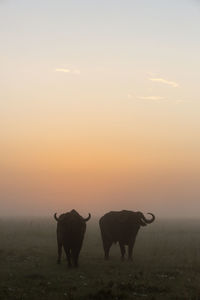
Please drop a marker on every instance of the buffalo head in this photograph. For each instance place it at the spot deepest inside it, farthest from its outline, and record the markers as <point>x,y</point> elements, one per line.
<point>74,212</point>
<point>141,220</point>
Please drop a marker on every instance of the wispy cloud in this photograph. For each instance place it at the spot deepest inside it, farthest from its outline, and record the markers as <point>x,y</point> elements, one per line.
<point>153,98</point>
<point>164,81</point>
<point>63,70</point>
<point>72,71</point>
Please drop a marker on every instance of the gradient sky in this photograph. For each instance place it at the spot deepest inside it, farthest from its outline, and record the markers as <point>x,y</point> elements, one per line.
<point>99,106</point>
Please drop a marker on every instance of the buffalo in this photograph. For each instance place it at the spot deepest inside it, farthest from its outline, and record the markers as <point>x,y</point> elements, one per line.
<point>70,234</point>
<point>121,226</point>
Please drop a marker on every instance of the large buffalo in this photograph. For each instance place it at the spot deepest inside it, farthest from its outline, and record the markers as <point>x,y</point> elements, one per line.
<point>70,233</point>
<point>121,226</point>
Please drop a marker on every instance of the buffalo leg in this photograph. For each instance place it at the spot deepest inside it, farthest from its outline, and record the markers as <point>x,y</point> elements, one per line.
<point>106,246</point>
<point>59,252</point>
<point>75,255</point>
<point>130,249</point>
<point>68,255</point>
<point>122,248</point>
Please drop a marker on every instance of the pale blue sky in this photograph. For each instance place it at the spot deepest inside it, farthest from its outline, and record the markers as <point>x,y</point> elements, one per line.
<point>92,31</point>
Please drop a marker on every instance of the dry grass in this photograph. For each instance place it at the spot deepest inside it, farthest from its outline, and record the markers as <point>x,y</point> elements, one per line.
<point>166,263</point>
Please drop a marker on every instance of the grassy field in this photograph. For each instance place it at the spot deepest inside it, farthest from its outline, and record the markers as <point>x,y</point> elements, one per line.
<point>166,263</point>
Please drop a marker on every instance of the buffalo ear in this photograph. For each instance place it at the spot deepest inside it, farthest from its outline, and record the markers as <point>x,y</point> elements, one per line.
<point>139,219</point>
<point>142,223</point>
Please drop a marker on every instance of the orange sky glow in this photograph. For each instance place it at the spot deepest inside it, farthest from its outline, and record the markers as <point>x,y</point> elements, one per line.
<point>96,115</point>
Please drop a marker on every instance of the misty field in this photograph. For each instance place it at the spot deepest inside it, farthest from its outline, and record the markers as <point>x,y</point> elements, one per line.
<point>166,263</point>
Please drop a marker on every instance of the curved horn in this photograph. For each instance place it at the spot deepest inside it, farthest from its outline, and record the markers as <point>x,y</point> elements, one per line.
<point>87,219</point>
<point>148,221</point>
<point>55,217</point>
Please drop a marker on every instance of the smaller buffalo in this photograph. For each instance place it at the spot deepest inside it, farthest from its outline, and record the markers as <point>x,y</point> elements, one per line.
<point>70,234</point>
<point>122,226</point>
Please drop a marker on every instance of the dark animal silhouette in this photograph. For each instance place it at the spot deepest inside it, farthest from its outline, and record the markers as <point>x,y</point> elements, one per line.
<point>70,234</point>
<point>121,226</point>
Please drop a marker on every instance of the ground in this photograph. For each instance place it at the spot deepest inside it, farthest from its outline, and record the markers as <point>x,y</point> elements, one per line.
<point>166,263</point>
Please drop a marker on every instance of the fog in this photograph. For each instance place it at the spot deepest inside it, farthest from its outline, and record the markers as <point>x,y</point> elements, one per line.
<point>166,195</point>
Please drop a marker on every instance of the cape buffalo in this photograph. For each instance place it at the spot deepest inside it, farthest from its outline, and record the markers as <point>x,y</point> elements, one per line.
<point>70,233</point>
<point>121,226</point>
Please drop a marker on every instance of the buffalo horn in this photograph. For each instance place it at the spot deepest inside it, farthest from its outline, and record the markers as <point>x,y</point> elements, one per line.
<point>148,221</point>
<point>87,219</point>
<point>55,217</point>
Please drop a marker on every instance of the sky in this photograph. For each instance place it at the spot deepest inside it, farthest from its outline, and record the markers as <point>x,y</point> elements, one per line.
<point>99,106</point>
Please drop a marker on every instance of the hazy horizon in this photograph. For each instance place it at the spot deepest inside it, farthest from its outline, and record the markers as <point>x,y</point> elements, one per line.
<point>99,107</point>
